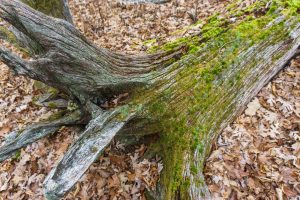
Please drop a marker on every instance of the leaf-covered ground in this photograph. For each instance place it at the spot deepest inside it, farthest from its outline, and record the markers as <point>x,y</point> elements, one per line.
<point>256,157</point>
<point>133,28</point>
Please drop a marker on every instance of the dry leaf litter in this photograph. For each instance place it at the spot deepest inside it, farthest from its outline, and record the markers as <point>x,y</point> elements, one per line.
<point>133,28</point>
<point>257,156</point>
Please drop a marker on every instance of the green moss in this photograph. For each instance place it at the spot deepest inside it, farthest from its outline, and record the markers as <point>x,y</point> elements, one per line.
<point>52,90</point>
<point>213,28</point>
<point>17,155</point>
<point>56,115</point>
<point>37,85</point>
<point>8,35</point>
<point>48,7</point>
<point>198,86</point>
<point>149,42</point>
<point>124,113</point>
<point>52,105</point>
<point>72,106</point>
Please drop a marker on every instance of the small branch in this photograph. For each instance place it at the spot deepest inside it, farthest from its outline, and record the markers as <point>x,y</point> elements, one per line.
<point>36,132</point>
<point>98,135</point>
<point>57,103</point>
<point>33,69</point>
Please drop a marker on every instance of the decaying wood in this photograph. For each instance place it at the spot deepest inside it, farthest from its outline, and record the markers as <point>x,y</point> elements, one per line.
<point>187,99</point>
<point>98,134</point>
<point>71,59</point>
<point>36,132</point>
<point>236,98</point>
<point>55,8</point>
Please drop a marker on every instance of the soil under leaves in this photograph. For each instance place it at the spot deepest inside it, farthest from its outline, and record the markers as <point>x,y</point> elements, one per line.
<point>257,157</point>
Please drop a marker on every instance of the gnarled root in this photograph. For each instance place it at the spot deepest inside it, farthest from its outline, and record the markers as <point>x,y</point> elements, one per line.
<point>98,135</point>
<point>36,132</point>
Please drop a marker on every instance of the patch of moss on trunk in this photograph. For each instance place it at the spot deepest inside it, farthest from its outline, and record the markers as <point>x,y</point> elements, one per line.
<point>54,8</point>
<point>193,115</point>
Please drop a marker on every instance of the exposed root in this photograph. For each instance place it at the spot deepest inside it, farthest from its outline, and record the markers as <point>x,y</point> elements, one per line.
<point>16,64</point>
<point>198,188</point>
<point>36,132</point>
<point>98,134</point>
<point>74,65</point>
<point>58,103</point>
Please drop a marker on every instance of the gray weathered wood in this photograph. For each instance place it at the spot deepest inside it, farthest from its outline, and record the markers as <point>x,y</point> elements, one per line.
<point>35,132</point>
<point>98,135</point>
<point>71,59</point>
<point>190,98</point>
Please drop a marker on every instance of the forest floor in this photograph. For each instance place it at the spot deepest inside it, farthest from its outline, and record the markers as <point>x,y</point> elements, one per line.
<point>256,157</point>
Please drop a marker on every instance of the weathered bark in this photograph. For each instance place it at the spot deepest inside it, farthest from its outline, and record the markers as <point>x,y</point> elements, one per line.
<point>187,99</point>
<point>68,52</point>
<point>98,134</point>
<point>54,8</point>
<point>36,132</point>
<point>201,109</point>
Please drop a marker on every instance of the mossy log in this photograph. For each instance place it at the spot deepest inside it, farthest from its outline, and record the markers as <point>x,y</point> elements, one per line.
<point>185,91</point>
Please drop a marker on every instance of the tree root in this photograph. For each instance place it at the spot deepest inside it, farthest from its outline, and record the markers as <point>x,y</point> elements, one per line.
<point>36,132</point>
<point>192,99</point>
<point>67,58</point>
<point>98,135</point>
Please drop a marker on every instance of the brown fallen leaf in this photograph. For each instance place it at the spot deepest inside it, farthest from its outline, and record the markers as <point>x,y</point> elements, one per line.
<point>113,181</point>
<point>4,130</point>
<point>131,177</point>
<point>289,192</point>
<point>118,160</point>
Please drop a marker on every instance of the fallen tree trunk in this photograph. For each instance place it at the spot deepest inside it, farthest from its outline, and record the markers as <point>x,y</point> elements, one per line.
<point>187,91</point>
